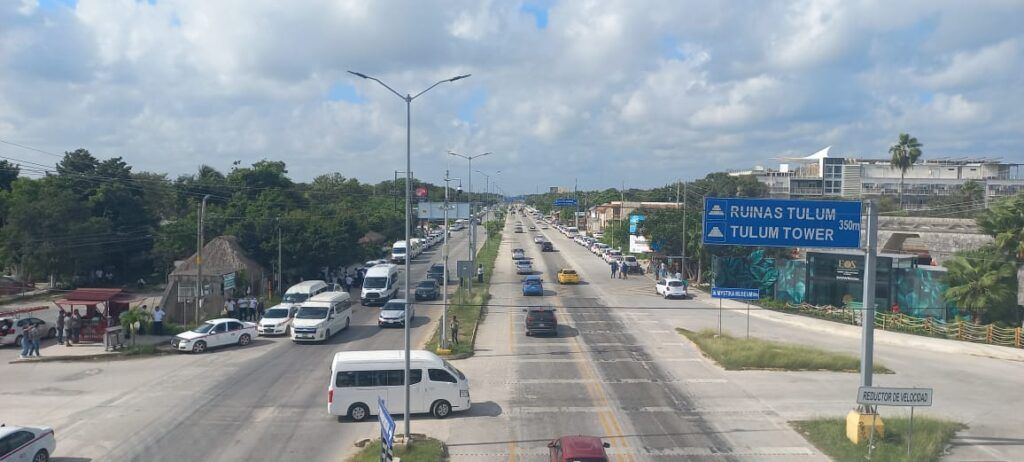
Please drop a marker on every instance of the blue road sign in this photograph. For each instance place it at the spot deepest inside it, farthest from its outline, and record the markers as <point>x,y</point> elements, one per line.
<point>387,425</point>
<point>734,293</point>
<point>782,223</point>
<point>634,222</point>
<point>565,202</point>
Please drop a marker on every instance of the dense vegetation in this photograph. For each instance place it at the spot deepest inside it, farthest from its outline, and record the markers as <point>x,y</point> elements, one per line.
<point>94,217</point>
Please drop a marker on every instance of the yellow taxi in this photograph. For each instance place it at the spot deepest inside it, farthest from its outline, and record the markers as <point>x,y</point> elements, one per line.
<point>568,276</point>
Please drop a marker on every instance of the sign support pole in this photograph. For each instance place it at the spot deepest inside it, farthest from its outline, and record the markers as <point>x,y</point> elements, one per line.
<point>719,317</point>
<point>868,316</point>
<point>910,435</point>
<point>748,320</point>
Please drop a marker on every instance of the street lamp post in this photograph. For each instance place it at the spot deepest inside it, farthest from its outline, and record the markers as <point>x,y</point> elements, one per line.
<point>408,98</point>
<point>487,178</point>
<point>444,258</point>
<point>472,220</point>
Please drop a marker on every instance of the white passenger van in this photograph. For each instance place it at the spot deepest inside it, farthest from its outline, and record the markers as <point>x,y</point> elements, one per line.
<point>399,251</point>
<point>322,316</point>
<point>380,284</point>
<point>359,377</point>
<point>302,291</point>
<point>417,247</point>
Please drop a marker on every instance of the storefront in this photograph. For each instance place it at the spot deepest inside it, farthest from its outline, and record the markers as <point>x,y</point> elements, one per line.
<point>837,278</point>
<point>100,310</point>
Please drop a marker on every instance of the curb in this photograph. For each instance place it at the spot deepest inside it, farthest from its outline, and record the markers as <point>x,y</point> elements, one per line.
<point>110,355</point>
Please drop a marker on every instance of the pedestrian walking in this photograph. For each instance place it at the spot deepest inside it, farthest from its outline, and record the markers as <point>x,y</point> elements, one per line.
<point>35,335</point>
<point>662,270</point>
<point>158,320</point>
<point>615,268</point>
<point>26,340</point>
<point>60,327</point>
<point>455,330</point>
<point>230,308</point>
<point>349,282</point>
<point>67,332</point>
<point>623,270</point>
<point>76,326</point>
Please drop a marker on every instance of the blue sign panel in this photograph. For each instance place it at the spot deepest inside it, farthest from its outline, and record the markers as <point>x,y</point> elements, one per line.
<point>782,223</point>
<point>634,222</point>
<point>387,425</point>
<point>737,294</point>
<point>565,202</point>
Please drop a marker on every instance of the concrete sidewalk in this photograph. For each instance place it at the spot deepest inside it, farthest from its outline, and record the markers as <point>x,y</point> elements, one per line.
<point>83,351</point>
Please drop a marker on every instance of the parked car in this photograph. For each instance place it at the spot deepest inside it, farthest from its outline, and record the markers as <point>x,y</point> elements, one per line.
<point>427,290</point>
<point>568,276</point>
<point>12,335</point>
<point>541,320</point>
<point>532,285</point>
<point>393,313</point>
<point>215,333</point>
<point>277,320</point>
<point>547,247</point>
<point>632,266</point>
<point>577,449</point>
<point>671,287</point>
<point>34,444</point>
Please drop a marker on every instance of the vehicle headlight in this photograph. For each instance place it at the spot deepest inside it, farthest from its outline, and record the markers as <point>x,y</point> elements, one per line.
<point>184,340</point>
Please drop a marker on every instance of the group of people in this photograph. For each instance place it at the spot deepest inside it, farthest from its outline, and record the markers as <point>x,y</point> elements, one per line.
<point>619,271</point>
<point>663,271</point>
<point>349,280</point>
<point>30,337</point>
<point>244,309</point>
<point>69,327</point>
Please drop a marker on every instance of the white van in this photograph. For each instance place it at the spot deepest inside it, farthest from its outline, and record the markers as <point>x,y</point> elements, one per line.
<point>302,291</point>
<point>417,246</point>
<point>322,316</point>
<point>380,284</point>
<point>399,251</point>
<point>358,378</point>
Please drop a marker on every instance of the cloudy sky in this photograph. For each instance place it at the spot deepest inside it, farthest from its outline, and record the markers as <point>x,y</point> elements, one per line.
<point>606,92</point>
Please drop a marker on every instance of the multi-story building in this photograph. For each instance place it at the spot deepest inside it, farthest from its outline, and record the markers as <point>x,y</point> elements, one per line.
<point>820,175</point>
<point>599,216</point>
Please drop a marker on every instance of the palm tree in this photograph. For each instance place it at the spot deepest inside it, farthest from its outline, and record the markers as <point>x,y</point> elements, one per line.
<point>904,153</point>
<point>1004,221</point>
<point>981,281</point>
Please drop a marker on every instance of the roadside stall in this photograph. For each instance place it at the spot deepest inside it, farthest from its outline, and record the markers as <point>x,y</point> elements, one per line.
<point>100,311</point>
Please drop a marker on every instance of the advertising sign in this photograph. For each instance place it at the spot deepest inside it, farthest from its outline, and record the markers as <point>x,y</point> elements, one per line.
<point>434,211</point>
<point>634,222</point>
<point>638,244</point>
<point>565,202</point>
<point>848,269</point>
<point>782,223</point>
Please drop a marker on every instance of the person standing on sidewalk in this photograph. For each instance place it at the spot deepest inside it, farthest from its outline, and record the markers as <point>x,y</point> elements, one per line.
<point>158,320</point>
<point>26,340</point>
<point>67,332</point>
<point>36,334</point>
<point>60,327</point>
<point>480,274</point>
<point>615,268</point>
<point>455,330</point>
<point>76,326</point>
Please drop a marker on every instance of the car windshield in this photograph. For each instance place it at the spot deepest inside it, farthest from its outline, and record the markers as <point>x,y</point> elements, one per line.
<point>393,306</point>
<point>631,259</point>
<point>294,297</point>
<point>203,328</point>
<point>398,250</point>
<point>276,313</point>
<point>453,370</point>
<point>426,284</point>
<point>375,283</point>
<point>568,271</point>
<point>312,312</point>
<point>436,269</point>
<point>533,282</point>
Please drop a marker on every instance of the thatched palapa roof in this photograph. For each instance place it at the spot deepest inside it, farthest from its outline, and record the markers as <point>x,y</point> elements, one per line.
<point>222,255</point>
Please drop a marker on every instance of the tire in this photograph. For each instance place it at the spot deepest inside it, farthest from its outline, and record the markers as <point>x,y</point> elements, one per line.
<point>328,336</point>
<point>347,322</point>
<point>288,331</point>
<point>199,347</point>
<point>41,456</point>
<point>441,409</point>
<point>244,340</point>
<point>528,333</point>
<point>51,333</point>
<point>358,412</point>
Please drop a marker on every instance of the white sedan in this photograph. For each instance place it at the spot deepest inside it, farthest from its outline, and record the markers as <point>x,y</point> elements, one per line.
<point>671,287</point>
<point>215,333</point>
<point>34,444</point>
<point>277,320</point>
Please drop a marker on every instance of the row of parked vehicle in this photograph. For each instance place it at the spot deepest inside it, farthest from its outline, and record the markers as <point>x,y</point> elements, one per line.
<point>416,246</point>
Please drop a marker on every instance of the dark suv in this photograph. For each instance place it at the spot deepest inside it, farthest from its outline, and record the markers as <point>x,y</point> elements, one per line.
<point>547,247</point>
<point>436,272</point>
<point>541,320</point>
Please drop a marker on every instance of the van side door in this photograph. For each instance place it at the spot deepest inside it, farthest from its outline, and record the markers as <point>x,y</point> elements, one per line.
<point>344,313</point>
<point>441,385</point>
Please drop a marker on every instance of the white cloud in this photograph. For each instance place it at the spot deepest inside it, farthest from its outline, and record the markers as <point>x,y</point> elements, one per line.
<point>605,89</point>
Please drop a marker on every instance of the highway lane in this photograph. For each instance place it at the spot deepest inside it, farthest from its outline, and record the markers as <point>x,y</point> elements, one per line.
<point>263,402</point>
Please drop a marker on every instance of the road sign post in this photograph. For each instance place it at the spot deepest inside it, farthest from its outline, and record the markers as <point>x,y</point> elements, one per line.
<point>908,397</point>
<point>387,431</point>
<point>781,223</point>
<point>734,294</point>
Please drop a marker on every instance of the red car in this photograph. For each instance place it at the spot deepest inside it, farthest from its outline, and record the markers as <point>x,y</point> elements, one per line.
<point>578,449</point>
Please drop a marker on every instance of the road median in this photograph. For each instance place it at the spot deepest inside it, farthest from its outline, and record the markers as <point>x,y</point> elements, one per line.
<point>930,438</point>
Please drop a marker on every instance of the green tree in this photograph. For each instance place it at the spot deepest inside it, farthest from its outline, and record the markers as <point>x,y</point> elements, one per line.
<point>1004,221</point>
<point>905,153</point>
<point>8,173</point>
<point>983,282</point>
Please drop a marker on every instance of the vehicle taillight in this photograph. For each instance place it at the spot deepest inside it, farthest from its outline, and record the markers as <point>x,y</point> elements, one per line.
<point>330,396</point>
<point>529,318</point>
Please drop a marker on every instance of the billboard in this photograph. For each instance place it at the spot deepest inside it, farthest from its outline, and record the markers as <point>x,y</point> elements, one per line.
<point>782,223</point>
<point>435,211</point>
<point>638,244</point>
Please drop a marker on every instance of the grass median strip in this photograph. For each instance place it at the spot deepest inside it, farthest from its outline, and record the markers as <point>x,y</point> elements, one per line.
<point>468,305</point>
<point>756,354</point>
<point>425,450</point>
<point>929,440</point>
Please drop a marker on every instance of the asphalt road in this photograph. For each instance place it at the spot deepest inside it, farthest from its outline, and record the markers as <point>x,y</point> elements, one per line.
<point>263,402</point>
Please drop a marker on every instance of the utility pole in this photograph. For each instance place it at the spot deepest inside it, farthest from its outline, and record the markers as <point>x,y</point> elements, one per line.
<point>685,228</point>
<point>444,258</point>
<point>472,218</point>
<point>280,261</point>
<point>868,318</point>
<point>576,195</point>
<point>199,257</point>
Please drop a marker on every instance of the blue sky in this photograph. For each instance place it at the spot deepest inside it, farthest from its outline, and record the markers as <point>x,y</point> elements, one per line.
<point>640,92</point>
